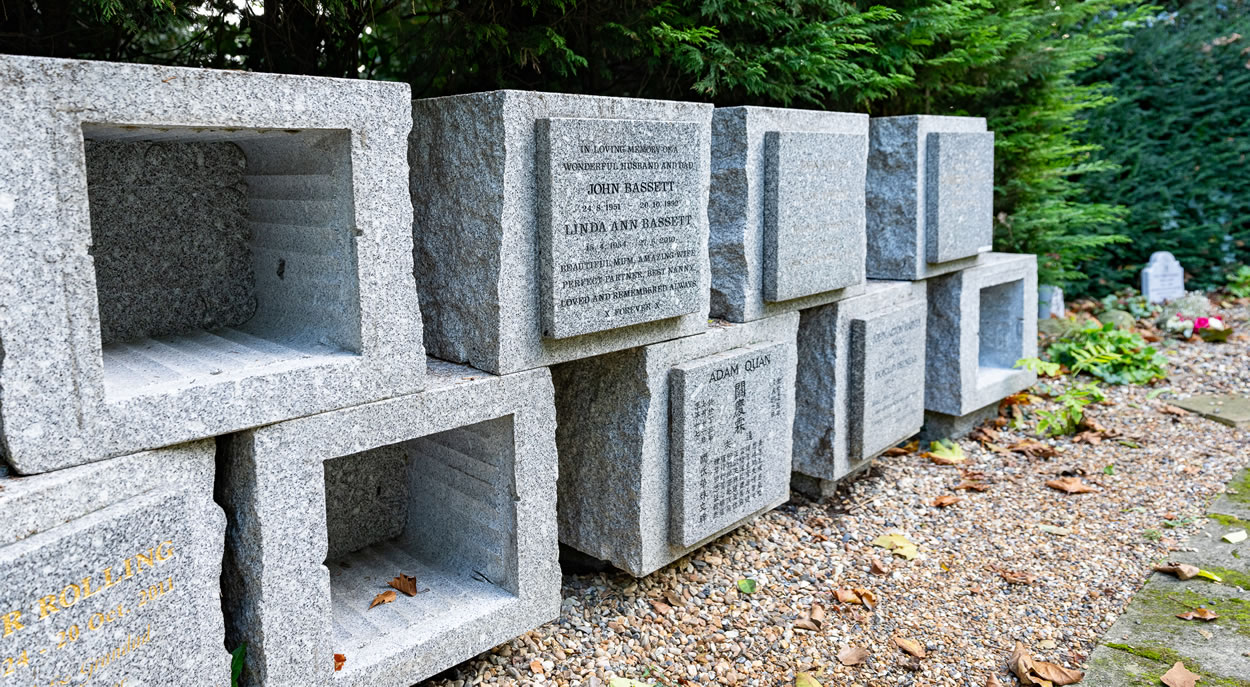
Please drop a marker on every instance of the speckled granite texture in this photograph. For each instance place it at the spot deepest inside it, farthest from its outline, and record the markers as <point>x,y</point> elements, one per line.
<point>316,531</point>
<point>929,195</point>
<point>111,573</point>
<point>620,484</point>
<point>336,320</point>
<point>475,163</point>
<point>786,209</point>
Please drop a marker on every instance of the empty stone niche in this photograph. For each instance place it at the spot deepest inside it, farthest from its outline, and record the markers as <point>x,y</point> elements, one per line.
<point>860,383</point>
<point>786,209</point>
<point>195,252</point>
<point>112,573</point>
<point>550,227</point>
<point>665,447</point>
<point>219,251</point>
<point>981,321</point>
<point>930,195</point>
<point>454,486</point>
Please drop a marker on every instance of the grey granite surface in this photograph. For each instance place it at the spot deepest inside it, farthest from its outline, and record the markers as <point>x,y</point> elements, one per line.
<point>927,212</point>
<point>475,178</point>
<point>786,209</point>
<point>472,458</point>
<point>981,321</point>
<point>111,573</point>
<point>336,320</point>
<point>860,383</point>
<point>619,482</point>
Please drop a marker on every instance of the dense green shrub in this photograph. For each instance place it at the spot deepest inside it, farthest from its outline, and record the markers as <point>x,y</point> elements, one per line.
<point>1177,134</point>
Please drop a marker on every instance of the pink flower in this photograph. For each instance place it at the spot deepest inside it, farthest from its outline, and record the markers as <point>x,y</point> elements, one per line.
<point>1202,323</point>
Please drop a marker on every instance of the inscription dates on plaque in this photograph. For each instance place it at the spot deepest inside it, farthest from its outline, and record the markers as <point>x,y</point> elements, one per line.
<point>959,200</point>
<point>887,378</point>
<point>620,220</point>
<point>727,414</point>
<point>813,212</point>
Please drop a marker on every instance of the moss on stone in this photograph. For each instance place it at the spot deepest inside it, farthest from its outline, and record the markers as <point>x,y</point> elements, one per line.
<point>1233,577</point>
<point>1165,657</point>
<point>1229,520</point>
<point>1241,485</point>
<point>1160,606</point>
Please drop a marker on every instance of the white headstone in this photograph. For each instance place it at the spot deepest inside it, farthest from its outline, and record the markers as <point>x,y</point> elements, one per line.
<point>1163,279</point>
<point>1050,302</point>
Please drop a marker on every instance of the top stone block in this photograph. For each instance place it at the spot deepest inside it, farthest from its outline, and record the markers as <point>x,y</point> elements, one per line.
<point>930,195</point>
<point>786,210</point>
<point>191,252</point>
<point>551,227</point>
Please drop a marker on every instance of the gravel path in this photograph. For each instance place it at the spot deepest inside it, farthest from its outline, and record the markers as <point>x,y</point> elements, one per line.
<point>688,624</point>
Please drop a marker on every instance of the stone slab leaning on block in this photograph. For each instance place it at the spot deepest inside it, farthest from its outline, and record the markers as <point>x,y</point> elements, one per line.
<point>786,209</point>
<point>860,386</point>
<point>455,486</point>
<point>191,252</point>
<point>551,227</point>
<point>112,573</point>
<point>667,446</point>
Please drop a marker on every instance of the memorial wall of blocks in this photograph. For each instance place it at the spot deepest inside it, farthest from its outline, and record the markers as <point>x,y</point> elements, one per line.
<point>304,366</point>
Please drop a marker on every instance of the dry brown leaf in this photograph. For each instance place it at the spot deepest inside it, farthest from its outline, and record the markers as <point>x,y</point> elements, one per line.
<point>1180,676</point>
<point>977,486</point>
<point>867,596</point>
<point>1034,449</point>
<point>911,646</point>
<point>1168,409</point>
<point>1091,438</point>
<point>910,663</point>
<point>405,583</point>
<point>943,460</point>
<point>1198,614</point>
<point>1040,673</point>
<point>852,655</point>
<point>1023,398</point>
<point>972,475</point>
<point>905,449</point>
<point>811,620</point>
<point>945,500</point>
<point>992,681</point>
<point>1070,485</point>
<point>847,596</point>
<point>673,600</point>
<point>1015,577</point>
<point>1056,674</point>
<point>383,598</point>
<point>536,666</point>
<point>661,607</point>
<point>879,568</point>
<point>984,434</point>
<point>1183,571</point>
<point>339,660</point>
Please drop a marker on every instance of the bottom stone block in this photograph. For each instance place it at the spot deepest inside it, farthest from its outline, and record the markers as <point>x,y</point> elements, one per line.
<point>860,384</point>
<point>111,573</point>
<point>666,446</point>
<point>940,426</point>
<point>454,486</point>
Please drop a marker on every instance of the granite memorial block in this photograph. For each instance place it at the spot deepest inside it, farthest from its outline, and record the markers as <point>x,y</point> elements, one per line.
<point>930,195</point>
<point>980,323</point>
<point>860,383</point>
<point>1050,302</point>
<point>454,486</point>
<point>786,209</point>
<point>193,252</point>
<point>112,573</point>
<point>1163,278</point>
<point>550,227</point>
<point>666,446</point>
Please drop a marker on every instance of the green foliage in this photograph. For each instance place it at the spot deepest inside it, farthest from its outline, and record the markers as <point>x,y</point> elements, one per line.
<point>1239,282</point>
<point>1067,418</point>
<point>236,664</point>
<point>1038,366</point>
<point>1176,136</point>
<point>1116,356</point>
<point>1131,301</point>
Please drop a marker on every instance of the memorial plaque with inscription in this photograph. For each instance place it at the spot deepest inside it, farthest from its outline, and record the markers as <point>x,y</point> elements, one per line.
<point>814,238</point>
<point>886,379</point>
<point>727,413</point>
<point>121,593</point>
<point>1163,278</point>
<point>620,221</point>
<point>959,195</point>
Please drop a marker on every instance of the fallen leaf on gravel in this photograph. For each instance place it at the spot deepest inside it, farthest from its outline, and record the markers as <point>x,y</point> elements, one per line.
<point>992,681</point>
<point>1183,571</point>
<point>1040,673</point>
<point>661,607</point>
<point>405,583</point>
<point>1051,529</point>
<point>536,666</point>
<point>868,596</point>
<point>805,680</point>
<point>673,600</point>
<point>945,452</point>
<point>847,596</point>
<point>897,544</point>
<point>909,663</point>
<point>1034,449</point>
<point>1235,537</point>
<point>812,619</point>
<point>911,646</point>
<point>1179,676</point>
<point>1168,409</point>
<point>945,500</point>
<point>1198,614</point>
<point>879,568</point>
<point>972,475</point>
<point>983,434</point>
<point>1019,399</point>
<point>339,661</point>
<point>383,598</point>
<point>1016,577</point>
<point>1070,485</point>
<point>978,486</point>
<point>747,586</point>
<point>909,447</point>
<point>852,655</point>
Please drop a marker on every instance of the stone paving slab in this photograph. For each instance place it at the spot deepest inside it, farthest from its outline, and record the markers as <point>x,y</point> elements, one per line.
<point>1229,409</point>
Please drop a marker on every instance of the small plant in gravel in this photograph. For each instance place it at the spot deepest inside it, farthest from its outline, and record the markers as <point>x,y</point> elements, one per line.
<point>1130,301</point>
<point>1113,355</point>
<point>1067,418</point>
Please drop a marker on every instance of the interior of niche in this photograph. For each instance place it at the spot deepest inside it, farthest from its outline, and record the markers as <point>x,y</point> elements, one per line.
<point>439,508</point>
<point>1000,332</point>
<point>218,252</point>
